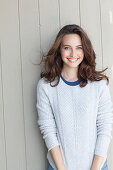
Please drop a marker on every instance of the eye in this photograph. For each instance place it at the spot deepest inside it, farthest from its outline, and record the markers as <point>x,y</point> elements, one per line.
<point>66,48</point>
<point>79,47</point>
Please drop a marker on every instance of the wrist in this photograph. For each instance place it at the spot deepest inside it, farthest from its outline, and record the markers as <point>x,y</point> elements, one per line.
<point>63,168</point>
<point>95,168</point>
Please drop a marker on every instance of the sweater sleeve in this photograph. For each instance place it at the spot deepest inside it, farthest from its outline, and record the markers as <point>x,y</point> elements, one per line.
<point>104,120</point>
<point>46,121</point>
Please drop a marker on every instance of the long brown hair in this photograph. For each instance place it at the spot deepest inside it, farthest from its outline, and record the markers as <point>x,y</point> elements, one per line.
<point>53,63</point>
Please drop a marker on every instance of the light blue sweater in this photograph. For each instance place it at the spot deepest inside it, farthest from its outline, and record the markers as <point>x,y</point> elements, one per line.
<point>77,119</point>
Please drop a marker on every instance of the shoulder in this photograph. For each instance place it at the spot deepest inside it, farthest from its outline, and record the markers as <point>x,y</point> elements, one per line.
<point>41,85</point>
<point>102,86</point>
<point>99,86</point>
<point>41,82</point>
<point>99,83</point>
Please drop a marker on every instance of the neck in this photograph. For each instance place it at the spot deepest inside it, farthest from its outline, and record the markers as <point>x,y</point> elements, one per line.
<point>70,74</point>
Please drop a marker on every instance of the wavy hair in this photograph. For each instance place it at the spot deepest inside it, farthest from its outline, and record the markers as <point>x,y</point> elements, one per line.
<point>53,63</point>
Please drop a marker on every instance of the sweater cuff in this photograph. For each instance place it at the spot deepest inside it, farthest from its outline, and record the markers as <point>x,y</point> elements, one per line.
<point>51,141</point>
<point>102,145</point>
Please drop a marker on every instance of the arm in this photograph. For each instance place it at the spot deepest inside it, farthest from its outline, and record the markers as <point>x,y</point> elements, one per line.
<point>104,125</point>
<point>57,158</point>
<point>97,162</point>
<point>47,124</point>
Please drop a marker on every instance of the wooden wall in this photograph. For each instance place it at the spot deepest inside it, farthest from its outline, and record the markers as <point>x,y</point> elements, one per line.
<point>26,28</point>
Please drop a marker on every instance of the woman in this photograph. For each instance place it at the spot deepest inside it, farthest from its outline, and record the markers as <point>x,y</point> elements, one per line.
<point>74,104</point>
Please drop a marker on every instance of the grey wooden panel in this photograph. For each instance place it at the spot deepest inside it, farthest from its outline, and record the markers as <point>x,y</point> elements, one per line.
<point>30,53</point>
<point>69,12</point>
<point>107,37</point>
<point>107,41</point>
<point>12,87</point>
<point>90,21</point>
<point>49,21</point>
<point>2,130</point>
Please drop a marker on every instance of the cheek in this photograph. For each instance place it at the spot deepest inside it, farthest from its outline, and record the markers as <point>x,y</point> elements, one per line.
<point>81,53</point>
<point>64,53</point>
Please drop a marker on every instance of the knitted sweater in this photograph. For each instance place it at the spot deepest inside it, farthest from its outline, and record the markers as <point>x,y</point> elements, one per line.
<point>77,119</point>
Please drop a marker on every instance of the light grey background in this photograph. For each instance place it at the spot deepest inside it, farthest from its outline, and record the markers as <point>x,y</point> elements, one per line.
<point>26,27</point>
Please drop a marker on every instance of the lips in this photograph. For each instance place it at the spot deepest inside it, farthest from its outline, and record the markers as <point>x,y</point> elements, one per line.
<point>72,59</point>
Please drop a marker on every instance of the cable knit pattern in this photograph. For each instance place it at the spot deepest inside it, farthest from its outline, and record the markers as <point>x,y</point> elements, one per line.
<point>77,119</point>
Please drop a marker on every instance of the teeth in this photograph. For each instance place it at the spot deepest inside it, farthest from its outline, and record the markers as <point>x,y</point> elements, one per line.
<point>73,59</point>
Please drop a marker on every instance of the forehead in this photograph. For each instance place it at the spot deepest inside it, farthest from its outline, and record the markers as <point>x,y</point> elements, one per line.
<point>71,39</point>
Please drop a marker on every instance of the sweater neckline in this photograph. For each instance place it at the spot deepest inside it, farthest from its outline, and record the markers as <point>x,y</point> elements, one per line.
<point>71,83</point>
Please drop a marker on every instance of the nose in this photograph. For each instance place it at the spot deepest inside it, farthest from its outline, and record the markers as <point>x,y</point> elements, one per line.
<point>73,52</point>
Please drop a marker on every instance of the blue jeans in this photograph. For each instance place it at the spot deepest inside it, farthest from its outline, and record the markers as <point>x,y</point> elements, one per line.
<point>105,167</point>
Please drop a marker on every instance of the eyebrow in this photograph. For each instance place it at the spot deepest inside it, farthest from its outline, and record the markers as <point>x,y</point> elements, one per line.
<point>70,45</point>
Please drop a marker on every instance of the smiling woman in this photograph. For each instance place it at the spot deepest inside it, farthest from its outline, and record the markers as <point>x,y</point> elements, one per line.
<point>74,104</point>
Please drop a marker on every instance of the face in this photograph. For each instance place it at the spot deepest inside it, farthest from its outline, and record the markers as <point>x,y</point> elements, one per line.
<point>71,50</point>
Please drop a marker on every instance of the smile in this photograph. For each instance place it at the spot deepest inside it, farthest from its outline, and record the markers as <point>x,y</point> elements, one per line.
<point>72,60</point>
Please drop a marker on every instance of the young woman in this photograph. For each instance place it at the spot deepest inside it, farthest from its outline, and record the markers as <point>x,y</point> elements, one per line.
<point>74,104</point>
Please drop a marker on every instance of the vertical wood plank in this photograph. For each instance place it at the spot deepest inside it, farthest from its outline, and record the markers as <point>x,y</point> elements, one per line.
<point>107,41</point>
<point>49,21</point>
<point>30,53</point>
<point>12,87</point>
<point>69,12</point>
<point>107,36</point>
<point>2,130</point>
<point>90,21</point>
